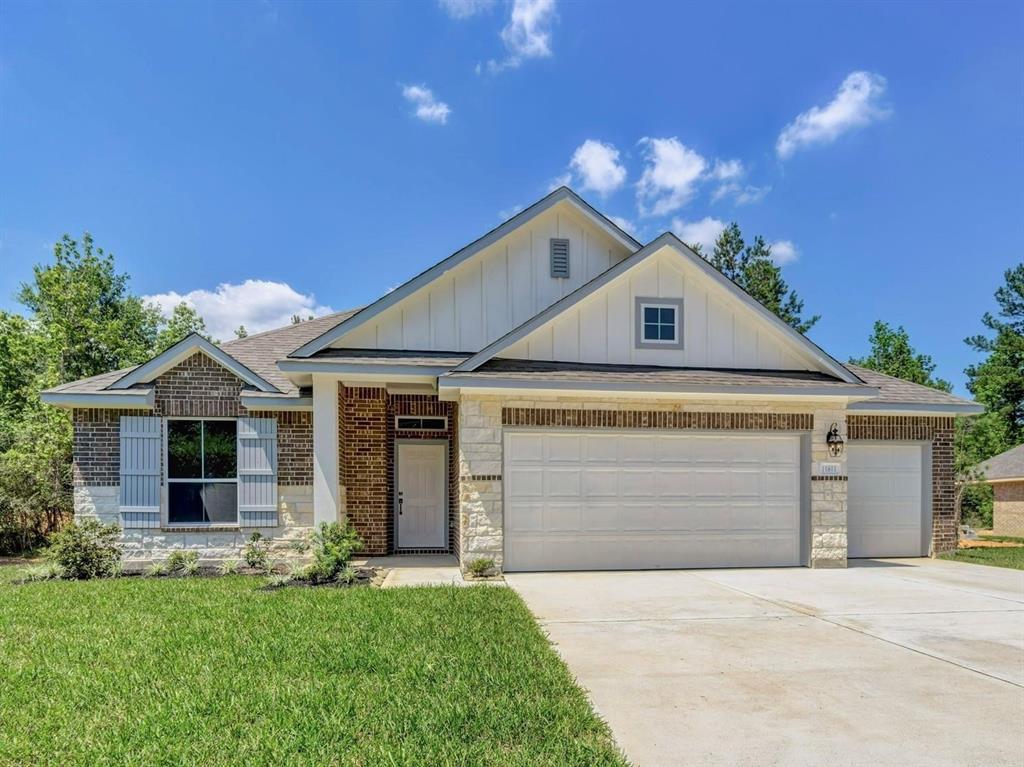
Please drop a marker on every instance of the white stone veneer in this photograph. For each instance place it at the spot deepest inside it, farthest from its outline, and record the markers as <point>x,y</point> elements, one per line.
<point>143,546</point>
<point>480,455</point>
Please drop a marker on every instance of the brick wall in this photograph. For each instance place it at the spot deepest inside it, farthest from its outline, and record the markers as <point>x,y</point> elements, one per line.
<point>367,453</point>
<point>1008,508</point>
<point>654,419</point>
<point>938,431</point>
<point>196,387</point>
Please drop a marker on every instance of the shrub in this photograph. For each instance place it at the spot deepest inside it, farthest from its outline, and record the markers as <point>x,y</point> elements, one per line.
<point>229,566</point>
<point>256,552</point>
<point>333,545</point>
<point>86,549</point>
<point>480,567</point>
<point>347,575</point>
<point>156,569</point>
<point>44,572</point>
<point>183,562</point>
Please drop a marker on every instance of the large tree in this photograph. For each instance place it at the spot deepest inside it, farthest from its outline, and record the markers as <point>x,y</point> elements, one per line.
<point>183,321</point>
<point>753,269</point>
<point>893,354</point>
<point>997,382</point>
<point>81,320</point>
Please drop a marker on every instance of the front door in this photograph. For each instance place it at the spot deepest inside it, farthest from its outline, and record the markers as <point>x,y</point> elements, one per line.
<point>422,490</point>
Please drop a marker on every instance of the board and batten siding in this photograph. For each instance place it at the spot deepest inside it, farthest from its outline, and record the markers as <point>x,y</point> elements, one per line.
<point>494,291</point>
<point>257,472</point>
<point>140,438</point>
<point>718,330</point>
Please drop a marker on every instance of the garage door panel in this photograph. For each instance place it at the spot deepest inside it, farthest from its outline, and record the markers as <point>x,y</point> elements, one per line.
<point>658,500</point>
<point>885,508</point>
<point>524,447</point>
<point>563,448</point>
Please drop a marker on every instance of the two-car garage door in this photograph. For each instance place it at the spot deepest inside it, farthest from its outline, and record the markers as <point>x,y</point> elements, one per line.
<point>577,500</point>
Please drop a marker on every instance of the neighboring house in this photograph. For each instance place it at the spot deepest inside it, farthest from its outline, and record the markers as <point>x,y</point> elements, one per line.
<point>554,396</point>
<point>1005,472</point>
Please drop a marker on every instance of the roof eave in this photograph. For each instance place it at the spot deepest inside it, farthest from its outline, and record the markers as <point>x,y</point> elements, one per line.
<point>102,400</point>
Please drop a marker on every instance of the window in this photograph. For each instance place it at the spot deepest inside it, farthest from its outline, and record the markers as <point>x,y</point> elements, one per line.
<point>659,323</point>
<point>559,258</point>
<point>419,423</point>
<point>202,474</point>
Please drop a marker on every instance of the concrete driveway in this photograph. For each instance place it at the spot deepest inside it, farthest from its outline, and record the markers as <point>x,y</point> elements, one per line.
<point>901,662</point>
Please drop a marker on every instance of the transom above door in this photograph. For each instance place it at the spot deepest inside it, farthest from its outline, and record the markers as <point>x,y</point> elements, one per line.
<point>421,494</point>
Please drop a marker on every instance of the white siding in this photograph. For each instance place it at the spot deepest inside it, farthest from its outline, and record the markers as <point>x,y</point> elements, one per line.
<point>497,290</point>
<point>719,330</point>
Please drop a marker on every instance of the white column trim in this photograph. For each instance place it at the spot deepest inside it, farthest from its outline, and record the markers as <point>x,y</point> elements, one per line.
<point>325,449</point>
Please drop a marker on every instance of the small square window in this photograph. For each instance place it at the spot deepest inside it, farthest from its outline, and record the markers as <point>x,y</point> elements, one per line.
<point>659,323</point>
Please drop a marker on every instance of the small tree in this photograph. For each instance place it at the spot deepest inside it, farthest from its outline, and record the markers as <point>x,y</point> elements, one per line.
<point>183,321</point>
<point>893,354</point>
<point>241,332</point>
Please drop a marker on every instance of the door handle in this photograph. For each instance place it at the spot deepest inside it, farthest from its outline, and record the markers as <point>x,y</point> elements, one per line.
<point>399,502</point>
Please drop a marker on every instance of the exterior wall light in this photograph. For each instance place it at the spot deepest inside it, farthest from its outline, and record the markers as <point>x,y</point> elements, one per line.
<point>834,441</point>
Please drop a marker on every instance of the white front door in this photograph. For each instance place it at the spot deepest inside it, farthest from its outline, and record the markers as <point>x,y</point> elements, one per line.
<point>650,499</point>
<point>885,512</point>
<point>422,490</point>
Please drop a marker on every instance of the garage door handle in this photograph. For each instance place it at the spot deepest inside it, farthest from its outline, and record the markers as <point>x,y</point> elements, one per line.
<point>399,503</point>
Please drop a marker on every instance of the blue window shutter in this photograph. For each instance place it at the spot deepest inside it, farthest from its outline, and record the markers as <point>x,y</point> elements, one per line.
<point>257,472</point>
<point>140,471</point>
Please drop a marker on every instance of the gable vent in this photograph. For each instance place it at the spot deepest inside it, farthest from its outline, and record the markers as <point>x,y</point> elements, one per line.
<point>559,258</point>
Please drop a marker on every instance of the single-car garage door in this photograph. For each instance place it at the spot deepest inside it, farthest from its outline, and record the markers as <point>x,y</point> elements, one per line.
<point>885,512</point>
<point>602,500</point>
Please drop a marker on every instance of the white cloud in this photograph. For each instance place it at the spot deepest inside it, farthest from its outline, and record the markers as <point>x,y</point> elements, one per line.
<point>257,304</point>
<point>727,170</point>
<point>742,194</point>
<point>855,104</point>
<point>428,108</point>
<point>703,232</point>
<point>463,9</point>
<point>670,176</point>
<point>507,213</point>
<point>527,34</point>
<point>563,180</point>
<point>598,167</point>
<point>624,224</point>
<point>784,252</point>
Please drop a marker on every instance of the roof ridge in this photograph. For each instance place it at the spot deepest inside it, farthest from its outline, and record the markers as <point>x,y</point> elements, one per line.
<point>289,326</point>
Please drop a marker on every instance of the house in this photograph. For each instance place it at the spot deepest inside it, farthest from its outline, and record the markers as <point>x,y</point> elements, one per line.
<point>554,395</point>
<point>1005,473</point>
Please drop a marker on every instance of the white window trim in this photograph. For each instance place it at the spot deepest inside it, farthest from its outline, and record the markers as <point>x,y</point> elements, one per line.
<point>418,428</point>
<point>676,305</point>
<point>165,511</point>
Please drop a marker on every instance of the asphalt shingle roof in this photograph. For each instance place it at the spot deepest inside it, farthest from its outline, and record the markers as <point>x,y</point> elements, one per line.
<point>897,391</point>
<point>1008,465</point>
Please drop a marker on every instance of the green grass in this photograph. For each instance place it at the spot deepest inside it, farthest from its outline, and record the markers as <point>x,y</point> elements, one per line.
<point>216,672</point>
<point>997,557</point>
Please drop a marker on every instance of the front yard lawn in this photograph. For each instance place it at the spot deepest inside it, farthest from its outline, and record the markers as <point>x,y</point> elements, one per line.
<point>1010,556</point>
<point>216,672</point>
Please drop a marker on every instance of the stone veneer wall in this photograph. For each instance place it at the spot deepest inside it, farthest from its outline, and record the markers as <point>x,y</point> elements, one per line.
<point>482,419</point>
<point>938,431</point>
<point>197,387</point>
<point>366,447</point>
<point>1008,508</point>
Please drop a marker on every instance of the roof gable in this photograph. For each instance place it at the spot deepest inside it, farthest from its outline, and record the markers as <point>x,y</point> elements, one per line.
<point>182,350</point>
<point>422,333</point>
<point>584,316</point>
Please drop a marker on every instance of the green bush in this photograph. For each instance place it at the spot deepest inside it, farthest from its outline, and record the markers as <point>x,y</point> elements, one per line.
<point>333,545</point>
<point>229,566</point>
<point>480,567</point>
<point>86,549</point>
<point>180,562</point>
<point>256,552</point>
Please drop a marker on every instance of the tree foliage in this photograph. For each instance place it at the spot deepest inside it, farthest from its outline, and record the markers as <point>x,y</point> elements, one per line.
<point>81,320</point>
<point>893,354</point>
<point>753,269</point>
<point>183,321</point>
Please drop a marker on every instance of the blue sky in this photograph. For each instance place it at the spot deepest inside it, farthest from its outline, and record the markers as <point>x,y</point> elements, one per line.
<point>263,157</point>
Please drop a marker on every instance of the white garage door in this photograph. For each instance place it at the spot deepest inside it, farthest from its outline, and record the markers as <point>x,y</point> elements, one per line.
<point>634,500</point>
<point>884,508</point>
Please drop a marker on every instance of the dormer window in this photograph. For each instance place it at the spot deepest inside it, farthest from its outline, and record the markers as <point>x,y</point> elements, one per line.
<point>659,323</point>
<point>559,258</point>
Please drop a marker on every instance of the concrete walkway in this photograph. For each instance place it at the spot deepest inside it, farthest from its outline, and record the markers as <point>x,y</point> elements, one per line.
<point>418,570</point>
<point>886,663</point>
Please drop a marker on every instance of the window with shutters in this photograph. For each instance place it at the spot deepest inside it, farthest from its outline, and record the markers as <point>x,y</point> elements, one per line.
<point>202,471</point>
<point>559,258</point>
